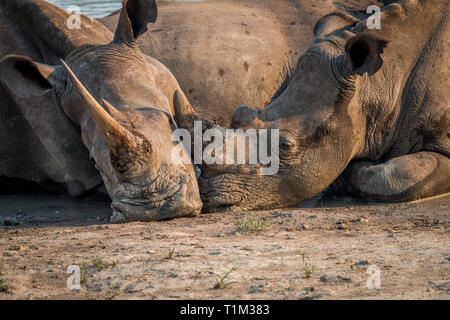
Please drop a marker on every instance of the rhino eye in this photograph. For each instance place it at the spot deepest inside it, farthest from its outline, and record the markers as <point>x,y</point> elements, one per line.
<point>285,144</point>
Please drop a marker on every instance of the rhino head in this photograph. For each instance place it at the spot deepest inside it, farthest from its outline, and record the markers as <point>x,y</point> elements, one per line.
<point>123,102</point>
<point>320,117</point>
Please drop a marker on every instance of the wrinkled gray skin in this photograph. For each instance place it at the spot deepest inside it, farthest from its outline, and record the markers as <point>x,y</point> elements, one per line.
<point>366,109</point>
<point>52,126</point>
<point>226,53</point>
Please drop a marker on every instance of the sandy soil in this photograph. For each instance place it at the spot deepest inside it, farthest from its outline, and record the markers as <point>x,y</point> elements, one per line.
<point>408,242</point>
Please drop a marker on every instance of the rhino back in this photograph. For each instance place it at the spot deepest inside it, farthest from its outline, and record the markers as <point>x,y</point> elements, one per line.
<point>410,91</point>
<point>222,54</point>
<point>40,143</point>
<point>40,28</point>
<point>424,123</point>
<point>228,53</point>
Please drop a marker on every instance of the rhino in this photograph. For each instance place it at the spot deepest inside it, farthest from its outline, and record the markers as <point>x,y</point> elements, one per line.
<point>365,113</point>
<point>45,146</point>
<point>101,119</point>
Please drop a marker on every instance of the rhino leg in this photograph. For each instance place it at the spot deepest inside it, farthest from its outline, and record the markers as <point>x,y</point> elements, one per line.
<point>405,178</point>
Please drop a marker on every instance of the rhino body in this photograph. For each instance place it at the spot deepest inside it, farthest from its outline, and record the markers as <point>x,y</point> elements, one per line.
<point>226,53</point>
<point>112,129</point>
<point>41,144</point>
<point>365,110</point>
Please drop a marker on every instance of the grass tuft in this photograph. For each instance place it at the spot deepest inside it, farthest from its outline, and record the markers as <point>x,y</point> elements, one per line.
<point>83,270</point>
<point>15,247</point>
<point>4,286</point>
<point>308,269</point>
<point>251,223</point>
<point>221,283</point>
<point>170,255</point>
<point>112,295</point>
<point>100,264</point>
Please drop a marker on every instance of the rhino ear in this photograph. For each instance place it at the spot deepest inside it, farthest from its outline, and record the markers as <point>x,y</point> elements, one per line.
<point>334,21</point>
<point>134,17</point>
<point>364,54</point>
<point>25,77</point>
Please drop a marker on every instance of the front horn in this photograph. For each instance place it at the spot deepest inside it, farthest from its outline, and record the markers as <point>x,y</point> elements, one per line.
<point>115,135</point>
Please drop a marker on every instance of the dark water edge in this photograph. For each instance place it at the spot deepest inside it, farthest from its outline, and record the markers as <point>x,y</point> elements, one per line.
<point>96,8</point>
<point>47,209</point>
<point>33,209</point>
<point>92,8</point>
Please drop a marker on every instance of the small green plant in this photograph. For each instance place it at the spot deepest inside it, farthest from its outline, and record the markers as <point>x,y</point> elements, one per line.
<point>170,255</point>
<point>308,269</point>
<point>4,286</point>
<point>83,270</point>
<point>221,283</point>
<point>15,247</point>
<point>112,295</point>
<point>251,223</point>
<point>100,264</point>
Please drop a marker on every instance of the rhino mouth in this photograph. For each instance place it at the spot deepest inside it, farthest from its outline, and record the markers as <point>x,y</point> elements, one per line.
<point>240,192</point>
<point>221,203</point>
<point>153,201</point>
<point>173,202</point>
<point>224,194</point>
<point>127,209</point>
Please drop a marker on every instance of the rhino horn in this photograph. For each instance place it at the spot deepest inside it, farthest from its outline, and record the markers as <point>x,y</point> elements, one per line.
<point>116,136</point>
<point>185,115</point>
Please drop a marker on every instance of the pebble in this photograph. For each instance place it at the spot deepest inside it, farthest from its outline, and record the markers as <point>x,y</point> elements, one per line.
<point>252,289</point>
<point>8,221</point>
<point>360,264</point>
<point>361,220</point>
<point>341,226</point>
<point>305,227</point>
<point>339,279</point>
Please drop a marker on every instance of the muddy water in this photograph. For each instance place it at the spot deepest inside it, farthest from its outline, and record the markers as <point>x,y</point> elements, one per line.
<point>36,209</point>
<point>28,210</point>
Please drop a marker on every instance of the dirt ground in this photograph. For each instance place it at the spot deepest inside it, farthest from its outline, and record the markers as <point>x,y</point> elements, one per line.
<point>184,258</point>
